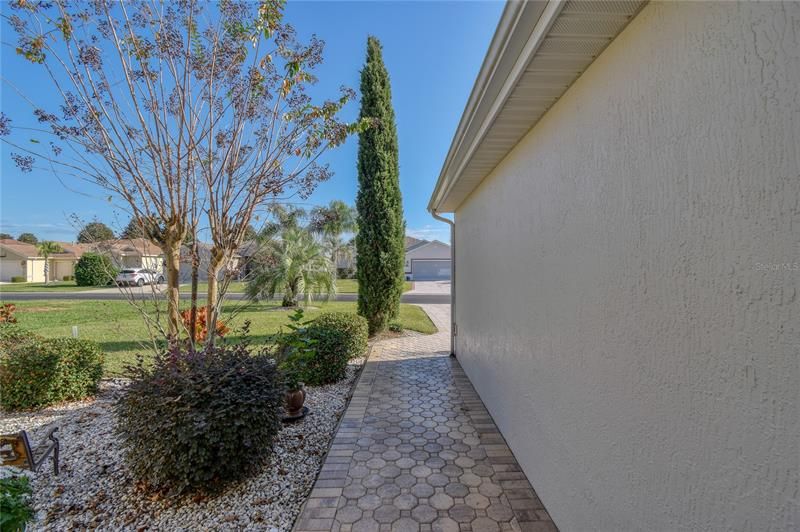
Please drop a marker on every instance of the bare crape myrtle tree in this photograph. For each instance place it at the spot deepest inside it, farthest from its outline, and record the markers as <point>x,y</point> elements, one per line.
<point>174,108</point>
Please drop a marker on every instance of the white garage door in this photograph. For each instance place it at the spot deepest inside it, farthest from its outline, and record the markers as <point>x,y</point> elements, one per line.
<point>10,268</point>
<point>430,270</point>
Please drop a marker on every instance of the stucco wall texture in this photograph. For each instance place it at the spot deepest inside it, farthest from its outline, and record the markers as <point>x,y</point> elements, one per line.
<point>629,275</point>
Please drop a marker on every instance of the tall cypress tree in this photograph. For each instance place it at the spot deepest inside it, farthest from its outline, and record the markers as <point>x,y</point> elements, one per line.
<point>381,228</point>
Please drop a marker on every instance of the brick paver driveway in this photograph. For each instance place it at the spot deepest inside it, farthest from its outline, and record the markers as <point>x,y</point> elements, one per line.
<point>417,450</point>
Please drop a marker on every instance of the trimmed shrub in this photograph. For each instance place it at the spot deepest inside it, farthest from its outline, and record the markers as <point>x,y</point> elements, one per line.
<point>15,503</point>
<point>336,337</point>
<point>196,420</point>
<point>94,269</point>
<point>37,372</point>
<point>345,273</point>
<point>18,279</point>
<point>68,278</point>
<point>12,336</point>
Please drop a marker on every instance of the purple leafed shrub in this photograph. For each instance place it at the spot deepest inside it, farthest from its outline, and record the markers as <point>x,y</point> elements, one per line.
<point>197,419</point>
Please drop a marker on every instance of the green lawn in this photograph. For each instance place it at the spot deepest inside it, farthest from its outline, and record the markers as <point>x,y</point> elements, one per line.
<point>235,287</point>
<point>343,286</point>
<point>54,286</point>
<point>120,331</point>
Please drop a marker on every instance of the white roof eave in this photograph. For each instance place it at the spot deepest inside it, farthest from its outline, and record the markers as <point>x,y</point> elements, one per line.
<point>565,36</point>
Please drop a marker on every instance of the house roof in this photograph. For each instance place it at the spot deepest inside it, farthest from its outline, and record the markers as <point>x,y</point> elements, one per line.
<point>134,246</point>
<point>417,244</point>
<point>24,249</point>
<point>75,250</point>
<point>411,241</point>
<point>19,248</point>
<point>128,246</point>
<point>250,248</point>
<point>423,243</point>
<point>539,49</point>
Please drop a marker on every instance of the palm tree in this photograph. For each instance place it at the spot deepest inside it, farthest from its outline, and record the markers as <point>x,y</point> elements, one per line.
<point>295,264</point>
<point>284,217</point>
<point>330,223</point>
<point>342,252</point>
<point>334,219</point>
<point>45,249</point>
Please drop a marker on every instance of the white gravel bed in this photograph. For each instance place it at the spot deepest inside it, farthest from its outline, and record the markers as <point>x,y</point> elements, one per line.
<point>96,491</point>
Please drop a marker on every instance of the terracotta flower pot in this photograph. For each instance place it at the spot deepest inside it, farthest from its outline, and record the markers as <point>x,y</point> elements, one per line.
<point>294,402</point>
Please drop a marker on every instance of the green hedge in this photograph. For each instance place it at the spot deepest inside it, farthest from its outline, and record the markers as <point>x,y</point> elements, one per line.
<point>94,269</point>
<point>336,337</point>
<point>68,278</point>
<point>37,372</point>
<point>18,279</point>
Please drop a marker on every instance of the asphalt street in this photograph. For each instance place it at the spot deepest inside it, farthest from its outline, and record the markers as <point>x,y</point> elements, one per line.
<point>420,299</point>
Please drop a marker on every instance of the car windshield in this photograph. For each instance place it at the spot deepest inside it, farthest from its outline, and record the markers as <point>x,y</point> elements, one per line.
<point>128,271</point>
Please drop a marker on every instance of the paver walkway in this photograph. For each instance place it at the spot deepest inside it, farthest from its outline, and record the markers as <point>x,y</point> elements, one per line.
<point>417,450</point>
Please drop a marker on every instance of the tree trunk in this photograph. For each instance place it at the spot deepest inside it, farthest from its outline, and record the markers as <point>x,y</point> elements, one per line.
<point>195,275</point>
<point>288,300</point>
<point>290,295</point>
<point>172,254</point>
<point>215,264</point>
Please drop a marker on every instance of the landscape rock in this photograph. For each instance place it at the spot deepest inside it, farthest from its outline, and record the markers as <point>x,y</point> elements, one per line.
<point>96,491</point>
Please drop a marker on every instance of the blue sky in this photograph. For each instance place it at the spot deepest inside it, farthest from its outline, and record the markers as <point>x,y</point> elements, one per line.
<point>433,51</point>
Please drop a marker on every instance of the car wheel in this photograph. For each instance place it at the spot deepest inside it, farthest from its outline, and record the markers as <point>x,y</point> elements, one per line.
<point>161,279</point>
<point>140,282</point>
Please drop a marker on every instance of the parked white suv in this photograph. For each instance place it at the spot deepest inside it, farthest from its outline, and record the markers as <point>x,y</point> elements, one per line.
<point>139,277</point>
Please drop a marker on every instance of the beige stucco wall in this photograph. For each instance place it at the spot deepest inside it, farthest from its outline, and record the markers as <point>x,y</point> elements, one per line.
<point>34,270</point>
<point>153,262</point>
<point>128,261</point>
<point>61,268</point>
<point>11,266</point>
<point>629,279</point>
<point>15,265</point>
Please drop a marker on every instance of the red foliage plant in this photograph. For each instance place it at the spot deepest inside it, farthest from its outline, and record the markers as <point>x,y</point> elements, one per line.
<point>7,313</point>
<point>201,325</point>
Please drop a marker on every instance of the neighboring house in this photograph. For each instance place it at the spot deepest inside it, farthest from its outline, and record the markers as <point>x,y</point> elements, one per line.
<point>410,241</point>
<point>132,253</point>
<point>346,260</point>
<point>426,260</point>
<point>245,262</point>
<point>19,259</point>
<point>625,182</point>
<point>204,255</point>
